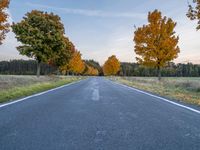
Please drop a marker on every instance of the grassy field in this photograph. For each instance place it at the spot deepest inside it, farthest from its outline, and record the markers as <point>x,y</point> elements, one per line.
<point>182,89</point>
<point>14,87</point>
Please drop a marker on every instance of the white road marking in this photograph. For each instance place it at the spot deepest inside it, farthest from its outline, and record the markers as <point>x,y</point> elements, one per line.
<point>164,99</point>
<point>95,95</point>
<point>38,94</point>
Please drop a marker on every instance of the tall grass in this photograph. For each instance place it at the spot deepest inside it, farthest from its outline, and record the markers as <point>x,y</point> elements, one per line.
<point>14,87</point>
<point>182,89</point>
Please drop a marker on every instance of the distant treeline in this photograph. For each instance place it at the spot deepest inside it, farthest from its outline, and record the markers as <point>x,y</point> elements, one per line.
<point>171,70</point>
<point>24,67</point>
<point>29,67</point>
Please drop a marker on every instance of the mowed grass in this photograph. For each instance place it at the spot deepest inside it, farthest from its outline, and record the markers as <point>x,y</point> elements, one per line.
<point>176,88</point>
<point>14,87</point>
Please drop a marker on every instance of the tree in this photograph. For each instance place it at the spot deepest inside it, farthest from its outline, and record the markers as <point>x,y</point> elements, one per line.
<point>194,12</point>
<point>111,66</point>
<point>75,65</point>
<point>41,35</point>
<point>156,43</point>
<point>94,72</point>
<point>4,26</point>
<point>95,65</point>
<point>64,56</point>
<point>90,71</point>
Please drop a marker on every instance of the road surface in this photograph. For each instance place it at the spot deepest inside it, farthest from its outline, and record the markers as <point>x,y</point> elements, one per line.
<point>97,114</point>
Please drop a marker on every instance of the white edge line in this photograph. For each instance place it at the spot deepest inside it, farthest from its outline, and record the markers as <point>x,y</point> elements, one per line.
<point>38,94</point>
<point>164,99</point>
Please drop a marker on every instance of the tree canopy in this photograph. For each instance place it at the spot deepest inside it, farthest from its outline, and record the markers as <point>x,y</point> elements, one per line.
<point>76,64</point>
<point>156,43</point>
<point>42,37</point>
<point>95,65</point>
<point>111,66</point>
<point>63,56</point>
<point>91,71</point>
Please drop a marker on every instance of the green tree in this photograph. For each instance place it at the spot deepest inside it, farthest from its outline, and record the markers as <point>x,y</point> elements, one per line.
<point>63,56</point>
<point>41,35</point>
<point>156,43</point>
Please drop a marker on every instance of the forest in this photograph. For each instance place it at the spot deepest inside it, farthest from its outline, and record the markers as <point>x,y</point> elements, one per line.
<point>29,67</point>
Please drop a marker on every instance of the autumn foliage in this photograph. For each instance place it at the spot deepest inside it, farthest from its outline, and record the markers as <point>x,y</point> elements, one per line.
<point>111,66</point>
<point>75,65</point>
<point>156,42</point>
<point>194,12</point>
<point>91,71</point>
<point>4,26</point>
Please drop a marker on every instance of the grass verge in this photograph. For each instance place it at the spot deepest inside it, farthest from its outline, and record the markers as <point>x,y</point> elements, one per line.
<point>27,85</point>
<point>186,90</point>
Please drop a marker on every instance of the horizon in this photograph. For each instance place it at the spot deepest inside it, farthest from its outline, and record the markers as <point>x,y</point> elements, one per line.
<point>112,21</point>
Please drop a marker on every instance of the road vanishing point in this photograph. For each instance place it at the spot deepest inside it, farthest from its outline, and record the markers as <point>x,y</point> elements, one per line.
<point>97,114</point>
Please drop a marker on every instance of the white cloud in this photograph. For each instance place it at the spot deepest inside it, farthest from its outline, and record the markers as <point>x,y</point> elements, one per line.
<point>87,12</point>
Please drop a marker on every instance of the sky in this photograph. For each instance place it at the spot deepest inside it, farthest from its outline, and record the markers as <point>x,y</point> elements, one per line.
<point>101,28</point>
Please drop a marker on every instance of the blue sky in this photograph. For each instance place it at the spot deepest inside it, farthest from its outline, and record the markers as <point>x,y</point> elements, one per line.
<point>100,28</point>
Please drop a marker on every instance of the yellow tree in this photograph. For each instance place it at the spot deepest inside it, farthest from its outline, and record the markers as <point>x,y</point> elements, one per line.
<point>94,71</point>
<point>4,26</point>
<point>156,42</point>
<point>88,70</point>
<point>76,64</point>
<point>194,12</point>
<point>91,71</point>
<point>111,66</point>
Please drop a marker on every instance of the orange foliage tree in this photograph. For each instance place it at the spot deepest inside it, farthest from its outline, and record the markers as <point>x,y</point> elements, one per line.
<point>194,12</point>
<point>4,26</point>
<point>111,66</point>
<point>91,71</point>
<point>75,65</point>
<point>156,43</point>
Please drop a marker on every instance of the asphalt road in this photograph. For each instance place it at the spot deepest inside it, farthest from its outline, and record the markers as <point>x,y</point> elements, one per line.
<point>97,114</point>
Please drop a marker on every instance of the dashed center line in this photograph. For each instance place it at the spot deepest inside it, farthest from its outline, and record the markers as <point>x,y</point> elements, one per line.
<point>95,95</point>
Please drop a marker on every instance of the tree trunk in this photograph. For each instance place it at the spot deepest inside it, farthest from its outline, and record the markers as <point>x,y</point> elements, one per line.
<point>38,68</point>
<point>159,73</point>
